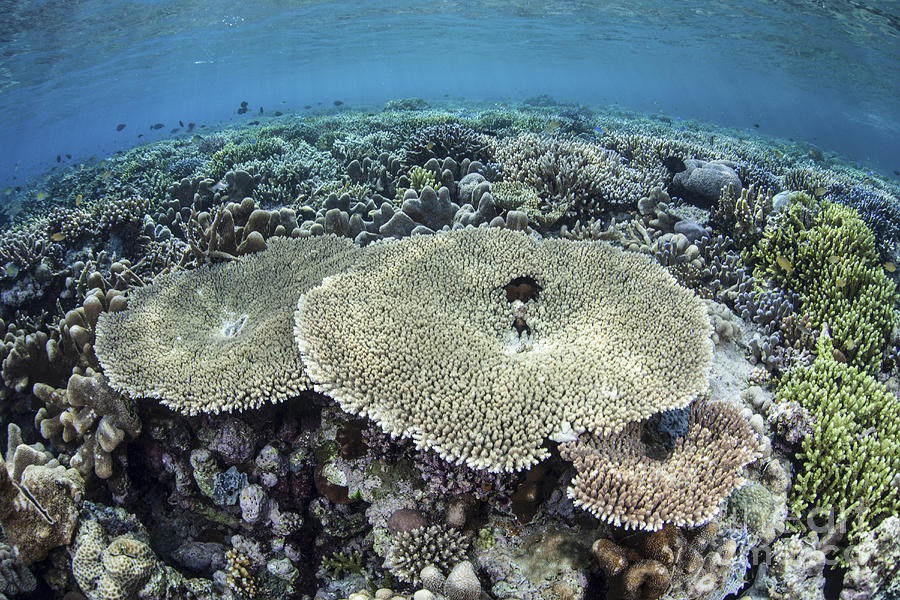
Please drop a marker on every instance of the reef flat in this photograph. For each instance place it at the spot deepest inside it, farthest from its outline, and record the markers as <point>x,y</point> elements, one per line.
<point>461,351</point>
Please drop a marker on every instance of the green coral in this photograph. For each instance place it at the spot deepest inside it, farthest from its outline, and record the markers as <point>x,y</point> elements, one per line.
<point>853,454</point>
<point>341,564</point>
<point>826,253</point>
<point>418,179</point>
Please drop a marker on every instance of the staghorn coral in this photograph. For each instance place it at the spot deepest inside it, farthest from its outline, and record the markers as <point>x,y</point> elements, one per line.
<point>413,550</point>
<point>853,453</point>
<point>618,483</point>
<point>218,338</point>
<point>580,175</point>
<point>743,215</point>
<point>524,372</point>
<point>40,499</point>
<point>826,253</point>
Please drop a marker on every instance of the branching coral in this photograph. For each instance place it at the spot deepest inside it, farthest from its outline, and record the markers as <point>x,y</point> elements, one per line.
<point>853,454</point>
<point>577,174</point>
<point>826,253</point>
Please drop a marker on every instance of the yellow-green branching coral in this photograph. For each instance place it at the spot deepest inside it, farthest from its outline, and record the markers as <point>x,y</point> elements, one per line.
<point>826,253</point>
<point>851,458</point>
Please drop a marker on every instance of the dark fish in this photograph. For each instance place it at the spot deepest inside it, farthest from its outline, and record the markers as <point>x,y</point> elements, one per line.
<point>175,130</point>
<point>896,172</point>
<point>756,125</point>
<point>157,126</point>
<point>244,104</point>
<point>191,126</point>
<point>181,123</point>
<point>260,110</point>
<point>338,102</point>
<point>58,158</point>
<point>242,110</point>
<point>140,135</point>
<point>120,126</point>
<point>307,107</point>
<point>278,113</point>
<point>68,156</point>
<point>253,123</point>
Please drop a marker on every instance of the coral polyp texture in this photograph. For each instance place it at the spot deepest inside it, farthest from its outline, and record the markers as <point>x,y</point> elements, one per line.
<point>619,483</point>
<point>218,338</point>
<point>482,343</point>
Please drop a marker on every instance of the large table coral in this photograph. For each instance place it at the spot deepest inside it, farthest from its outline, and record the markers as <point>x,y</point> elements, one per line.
<point>218,338</point>
<point>482,343</point>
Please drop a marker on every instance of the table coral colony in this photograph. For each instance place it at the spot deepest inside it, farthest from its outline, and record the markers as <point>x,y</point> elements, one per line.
<point>430,354</point>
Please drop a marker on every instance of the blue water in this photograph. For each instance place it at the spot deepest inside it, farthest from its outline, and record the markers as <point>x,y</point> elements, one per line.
<point>825,72</point>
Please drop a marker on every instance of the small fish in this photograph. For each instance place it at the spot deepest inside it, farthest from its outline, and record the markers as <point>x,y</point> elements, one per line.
<point>284,101</point>
<point>41,195</point>
<point>244,104</point>
<point>260,110</point>
<point>778,153</point>
<point>140,135</point>
<point>850,345</point>
<point>598,129</point>
<point>307,107</point>
<point>120,126</point>
<point>157,126</point>
<point>252,122</point>
<point>338,102</point>
<point>181,123</point>
<point>820,191</point>
<point>58,236</point>
<point>429,145</point>
<point>78,199</point>
<point>242,110</point>
<point>196,139</point>
<point>551,126</point>
<point>840,282</point>
<point>103,163</point>
<point>871,173</point>
<point>890,267</point>
<point>896,172</point>
<point>68,156</point>
<point>756,125</point>
<point>106,174</point>
<point>191,126</point>
<point>833,259</point>
<point>175,130</point>
<point>784,263</point>
<point>278,113</point>
<point>10,270</point>
<point>58,158</point>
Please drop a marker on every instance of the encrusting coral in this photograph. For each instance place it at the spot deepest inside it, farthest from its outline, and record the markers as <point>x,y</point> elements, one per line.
<point>218,338</point>
<point>618,483</point>
<point>527,339</point>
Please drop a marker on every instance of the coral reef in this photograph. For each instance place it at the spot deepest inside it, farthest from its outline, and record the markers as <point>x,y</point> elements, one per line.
<point>515,303</point>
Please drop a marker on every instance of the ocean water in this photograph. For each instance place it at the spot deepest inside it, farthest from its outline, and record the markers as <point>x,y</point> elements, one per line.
<point>825,72</point>
<point>458,300</point>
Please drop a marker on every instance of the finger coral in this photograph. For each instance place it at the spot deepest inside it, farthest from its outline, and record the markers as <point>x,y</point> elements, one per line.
<point>482,343</point>
<point>217,338</point>
<point>619,483</point>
